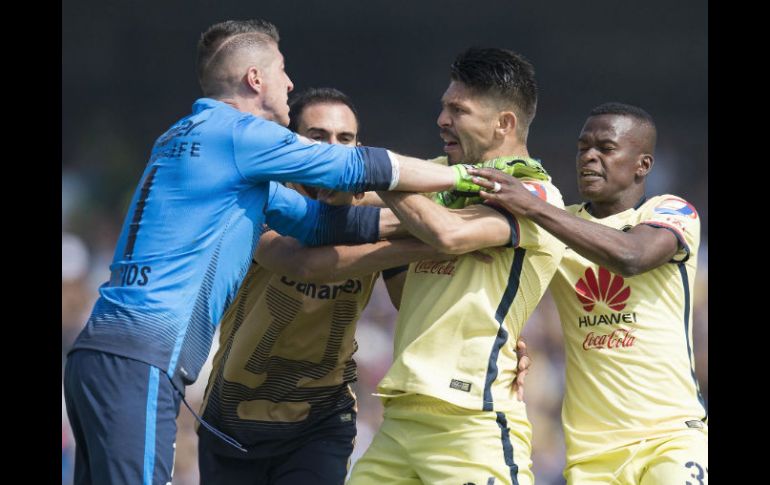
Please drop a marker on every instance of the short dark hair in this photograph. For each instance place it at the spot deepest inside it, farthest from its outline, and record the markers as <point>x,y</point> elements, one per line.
<point>622,109</point>
<point>214,48</point>
<point>503,74</point>
<point>307,97</point>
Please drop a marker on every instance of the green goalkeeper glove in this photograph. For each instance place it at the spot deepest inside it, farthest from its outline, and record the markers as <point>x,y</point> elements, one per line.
<point>465,193</point>
<point>449,199</point>
<point>452,200</point>
<point>517,167</point>
<point>463,182</point>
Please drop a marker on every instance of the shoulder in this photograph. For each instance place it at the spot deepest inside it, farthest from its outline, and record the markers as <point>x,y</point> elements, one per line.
<point>253,128</point>
<point>575,209</point>
<point>442,160</point>
<point>668,204</point>
<point>544,189</point>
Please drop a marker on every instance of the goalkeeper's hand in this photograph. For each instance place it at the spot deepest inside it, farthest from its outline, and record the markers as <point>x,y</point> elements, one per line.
<point>449,199</point>
<point>516,167</point>
<point>463,183</point>
<point>452,200</point>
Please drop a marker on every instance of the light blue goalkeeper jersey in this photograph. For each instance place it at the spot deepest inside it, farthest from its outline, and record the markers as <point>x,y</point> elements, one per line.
<point>195,220</point>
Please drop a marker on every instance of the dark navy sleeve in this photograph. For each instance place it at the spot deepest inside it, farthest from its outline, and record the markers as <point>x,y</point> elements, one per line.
<point>266,151</point>
<point>314,223</point>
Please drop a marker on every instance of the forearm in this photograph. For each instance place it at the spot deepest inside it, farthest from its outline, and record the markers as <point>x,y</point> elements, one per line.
<point>334,263</point>
<point>449,231</point>
<point>371,199</point>
<point>390,227</point>
<point>613,249</point>
<point>349,261</point>
<point>416,175</point>
<point>420,217</point>
<point>344,225</point>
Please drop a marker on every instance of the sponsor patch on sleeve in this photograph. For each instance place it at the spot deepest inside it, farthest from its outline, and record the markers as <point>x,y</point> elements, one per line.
<point>536,189</point>
<point>676,207</point>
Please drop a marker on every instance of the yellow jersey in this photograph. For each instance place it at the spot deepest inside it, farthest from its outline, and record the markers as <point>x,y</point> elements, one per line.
<point>459,320</point>
<point>628,341</point>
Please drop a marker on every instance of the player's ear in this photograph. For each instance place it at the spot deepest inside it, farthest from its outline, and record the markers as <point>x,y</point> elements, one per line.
<point>506,122</point>
<point>645,164</point>
<point>253,78</point>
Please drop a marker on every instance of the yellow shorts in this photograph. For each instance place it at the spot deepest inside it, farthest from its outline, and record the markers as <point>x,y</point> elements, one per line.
<point>678,458</point>
<point>430,441</point>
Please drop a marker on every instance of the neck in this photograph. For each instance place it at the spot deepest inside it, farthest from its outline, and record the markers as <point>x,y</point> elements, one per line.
<point>606,208</point>
<point>242,104</point>
<point>507,150</point>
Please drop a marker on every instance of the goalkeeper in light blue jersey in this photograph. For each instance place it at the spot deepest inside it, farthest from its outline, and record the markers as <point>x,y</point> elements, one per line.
<point>194,221</point>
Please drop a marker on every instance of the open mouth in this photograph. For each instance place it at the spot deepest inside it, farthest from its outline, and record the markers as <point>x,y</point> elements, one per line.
<point>450,141</point>
<point>450,146</point>
<point>590,175</point>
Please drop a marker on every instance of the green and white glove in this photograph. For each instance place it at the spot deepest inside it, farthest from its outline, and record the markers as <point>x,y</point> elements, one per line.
<point>463,182</point>
<point>450,199</point>
<point>517,167</point>
<point>466,193</point>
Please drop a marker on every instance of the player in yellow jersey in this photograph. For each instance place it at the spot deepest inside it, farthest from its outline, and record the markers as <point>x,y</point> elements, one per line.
<point>451,415</point>
<point>632,411</point>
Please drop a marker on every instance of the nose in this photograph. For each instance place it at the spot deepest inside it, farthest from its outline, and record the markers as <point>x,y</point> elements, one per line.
<point>443,119</point>
<point>290,86</point>
<point>587,155</point>
<point>586,158</point>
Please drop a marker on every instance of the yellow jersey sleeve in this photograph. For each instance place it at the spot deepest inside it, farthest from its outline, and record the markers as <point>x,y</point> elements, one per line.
<point>678,216</point>
<point>528,234</point>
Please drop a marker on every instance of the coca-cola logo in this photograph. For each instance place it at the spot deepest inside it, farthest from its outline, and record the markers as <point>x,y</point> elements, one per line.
<point>436,267</point>
<point>619,338</point>
<point>607,288</point>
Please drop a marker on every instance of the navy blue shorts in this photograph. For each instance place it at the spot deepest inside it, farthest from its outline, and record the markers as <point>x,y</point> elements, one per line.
<point>123,416</point>
<point>321,460</point>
